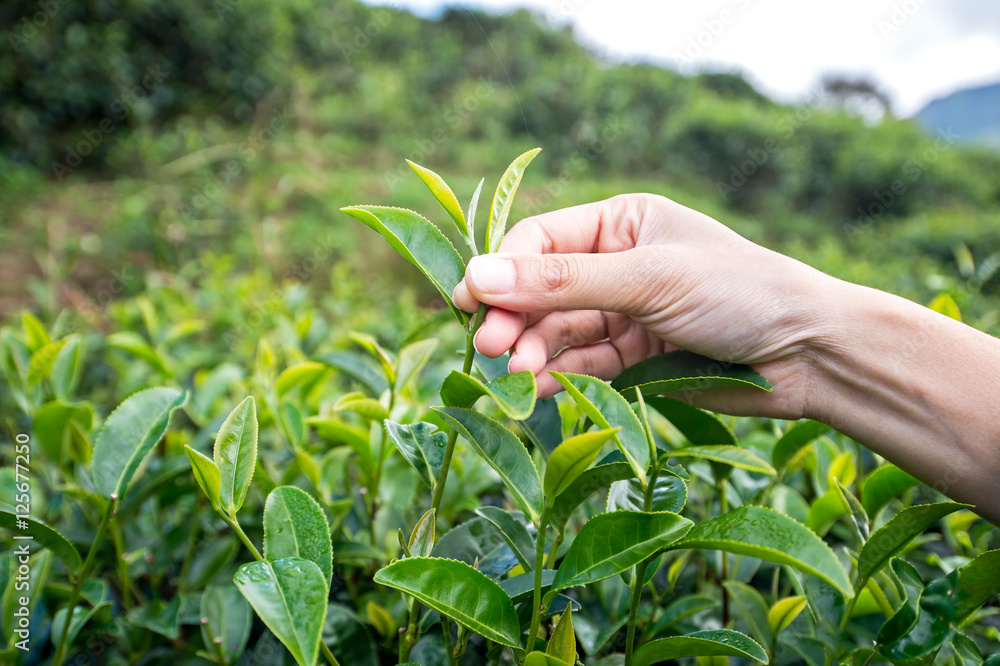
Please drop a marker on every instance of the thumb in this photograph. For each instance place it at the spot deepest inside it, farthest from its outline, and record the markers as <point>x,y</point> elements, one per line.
<point>613,282</point>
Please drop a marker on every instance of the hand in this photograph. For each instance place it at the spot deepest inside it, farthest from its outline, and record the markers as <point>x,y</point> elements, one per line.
<point>596,288</point>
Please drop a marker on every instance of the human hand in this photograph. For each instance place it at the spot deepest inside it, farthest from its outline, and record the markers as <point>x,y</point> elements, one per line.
<point>596,288</point>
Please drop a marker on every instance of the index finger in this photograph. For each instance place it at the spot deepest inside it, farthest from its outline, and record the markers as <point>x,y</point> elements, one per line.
<point>602,226</point>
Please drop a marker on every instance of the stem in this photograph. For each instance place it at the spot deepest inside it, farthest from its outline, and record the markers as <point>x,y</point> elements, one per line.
<point>231,521</point>
<point>448,645</point>
<point>847,614</point>
<point>639,572</point>
<point>81,577</point>
<point>121,565</point>
<point>329,655</point>
<point>470,356</point>
<point>536,611</point>
<point>409,639</point>
<point>723,510</point>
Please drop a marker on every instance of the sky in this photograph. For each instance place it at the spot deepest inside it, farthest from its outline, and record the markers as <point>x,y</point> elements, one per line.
<point>915,50</point>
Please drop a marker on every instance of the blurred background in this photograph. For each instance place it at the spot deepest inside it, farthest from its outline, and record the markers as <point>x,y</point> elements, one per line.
<point>187,160</point>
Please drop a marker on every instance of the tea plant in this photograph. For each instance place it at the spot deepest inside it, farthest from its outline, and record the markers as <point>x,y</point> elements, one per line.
<point>611,526</point>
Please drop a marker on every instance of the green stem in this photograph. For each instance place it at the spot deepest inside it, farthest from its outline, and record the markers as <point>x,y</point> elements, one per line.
<point>723,510</point>
<point>121,564</point>
<point>847,614</point>
<point>536,610</point>
<point>639,572</point>
<point>448,645</point>
<point>81,578</point>
<point>470,356</point>
<point>408,640</point>
<point>235,526</point>
<point>329,655</point>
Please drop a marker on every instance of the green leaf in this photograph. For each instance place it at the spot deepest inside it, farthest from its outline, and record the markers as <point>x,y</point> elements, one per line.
<point>206,473</point>
<point>698,426</point>
<point>421,542</point>
<point>794,439</point>
<point>883,485</point>
<point>514,393</point>
<point>858,517</point>
<point>727,455</point>
<point>669,494</point>
<point>236,454</point>
<point>513,532</point>
<point>709,643</point>
<point>34,331</point>
<point>129,433</point>
<point>419,242</point>
<point>136,345</point>
<point>81,616</point>
<point>825,511</point>
<point>295,526</point>
<point>66,368</point>
<point>300,374</point>
<point>368,408</point>
<point>753,609</point>
<point>684,607</point>
<point>685,371</point>
<point>978,582</point>
<point>763,533</point>
<point>784,612</point>
<point>562,642</point>
<point>503,451</point>
<point>358,367</point>
<point>348,638</point>
<point>477,540</point>
<point>470,218</point>
<point>611,543</point>
<point>225,616</point>
<point>899,624</point>
<point>442,193</point>
<point>371,345</point>
<point>608,409</point>
<point>458,591</point>
<point>422,446</point>
<point>290,596</point>
<point>159,616</point>
<point>504,197</point>
<point>336,432</point>
<point>380,619</point>
<point>412,359</point>
<point>594,479</point>
<point>41,361</point>
<point>53,422</point>
<point>542,659</point>
<point>522,586</point>
<point>571,459</point>
<point>42,535</point>
<point>889,540</point>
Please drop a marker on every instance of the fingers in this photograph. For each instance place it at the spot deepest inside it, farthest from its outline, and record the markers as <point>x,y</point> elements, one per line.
<point>595,227</point>
<point>600,360</point>
<point>542,340</point>
<point>616,282</point>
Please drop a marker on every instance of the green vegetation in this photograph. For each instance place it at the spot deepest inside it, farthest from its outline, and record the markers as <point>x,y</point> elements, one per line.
<point>257,434</point>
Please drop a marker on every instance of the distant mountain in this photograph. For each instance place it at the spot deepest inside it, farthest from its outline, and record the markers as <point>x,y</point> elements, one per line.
<point>973,114</point>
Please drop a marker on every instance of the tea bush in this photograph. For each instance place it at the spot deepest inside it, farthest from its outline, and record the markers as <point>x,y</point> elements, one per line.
<point>361,500</point>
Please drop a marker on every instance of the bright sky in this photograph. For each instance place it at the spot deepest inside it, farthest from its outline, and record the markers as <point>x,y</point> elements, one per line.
<point>916,50</point>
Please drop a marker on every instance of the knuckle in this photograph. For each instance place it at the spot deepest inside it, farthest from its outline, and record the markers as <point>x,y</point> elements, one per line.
<point>555,273</point>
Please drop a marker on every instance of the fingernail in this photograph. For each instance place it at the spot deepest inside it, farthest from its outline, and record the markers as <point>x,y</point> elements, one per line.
<point>492,275</point>
<point>475,342</point>
<point>510,361</point>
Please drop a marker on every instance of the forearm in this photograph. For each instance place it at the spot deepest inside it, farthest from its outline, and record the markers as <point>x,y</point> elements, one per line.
<point>916,387</point>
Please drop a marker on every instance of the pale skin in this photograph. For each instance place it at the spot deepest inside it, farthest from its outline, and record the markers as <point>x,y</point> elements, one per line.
<point>595,288</point>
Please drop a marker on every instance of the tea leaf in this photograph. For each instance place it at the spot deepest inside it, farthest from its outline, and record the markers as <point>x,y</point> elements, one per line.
<point>504,452</point>
<point>81,616</point>
<point>571,459</point>
<point>709,643</point>
<point>225,615</point>
<point>66,368</point>
<point>458,591</point>
<point>295,526</point>
<point>421,542</point>
<point>301,374</point>
<point>697,425</point>
<point>794,439</point>
<point>442,193</point>
<point>784,612</point>
<point>542,659</point>
<point>159,616</point>
<point>883,485</point>
<point>890,539</point>
<point>42,534</point>
<point>41,361</point>
<point>608,409</point>
<point>752,608</point>
<point>470,218</point>
<point>412,359</point>
<point>592,480</point>
<point>135,344</point>
<point>562,643</point>
<point>53,419</point>
<point>522,586</point>
<point>34,331</point>
<point>514,393</point>
<point>669,494</point>
<point>290,596</point>
<point>236,454</point>
<point>419,242</point>
<point>728,455</point>
<point>504,198</point>
<point>513,532</point>
<point>358,367</point>
<point>611,543</point>
<point>129,433</point>
<point>771,536</point>
<point>206,473</point>
<point>685,371</point>
<point>422,446</point>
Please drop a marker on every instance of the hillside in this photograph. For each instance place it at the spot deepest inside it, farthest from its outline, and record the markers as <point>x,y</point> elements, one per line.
<point>972,114</point>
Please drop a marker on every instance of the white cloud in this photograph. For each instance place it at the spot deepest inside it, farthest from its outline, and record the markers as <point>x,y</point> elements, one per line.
<point>914,49</point>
